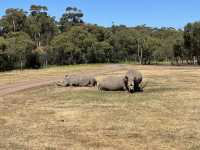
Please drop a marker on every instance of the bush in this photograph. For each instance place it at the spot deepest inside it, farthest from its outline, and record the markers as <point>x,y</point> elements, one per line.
<point>33,60</point>
<point>6,62</point>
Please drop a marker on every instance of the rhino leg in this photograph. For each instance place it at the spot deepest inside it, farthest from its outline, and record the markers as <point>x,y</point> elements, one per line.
<point>59,83</point>
<point>75,84</point>
<point>101,88</point>
<point>137,88</point>
<point>92,82</point>
<point>88,82</point>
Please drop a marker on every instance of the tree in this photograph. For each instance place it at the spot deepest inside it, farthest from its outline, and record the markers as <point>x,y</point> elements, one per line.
<point>68,46</point>
<point>101,33</point>
<point>192,34</point>
<point>37,39</point>
<point>179,52</point>
<point>124,42</point>
<point>1,29</point>
<point>149,46</point>
<point>20,44</point>
<point>168,37</point>
<point>79,46</point>
<point>14,20</point>
<point>192,40</point>
<point>40,26</point>
<point>7,60</point>
<point>103,52</point>
<point>165,36</point>
<point>3,45</point>
<point>72,16</point>
<point>38,9</point>
<point>35,58</point>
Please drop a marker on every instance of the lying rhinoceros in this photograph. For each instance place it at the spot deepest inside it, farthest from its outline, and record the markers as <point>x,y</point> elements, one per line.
<point>114,83</point>
<point>135,77</point>
<point>78,80</point>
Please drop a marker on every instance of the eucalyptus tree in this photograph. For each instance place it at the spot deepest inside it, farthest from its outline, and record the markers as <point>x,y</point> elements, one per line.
<point>38,9</point>
<point>72,16</point>
<point>124,42</point>
<point>149,47</point>
<point>13,20</point>
<point>192,40</point>
<point>40,26</point>
<point>5,62</point>
<point>20,45</point>
<point>3,45</point>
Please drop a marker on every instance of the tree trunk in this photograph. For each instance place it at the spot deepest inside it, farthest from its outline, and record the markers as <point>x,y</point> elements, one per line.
<point>194,60</point>
<point>182,61</point>
<point>138,48</point>
<point>177,61</point>
<point>21,64</point>
<point>35,39</point>
<point>187,61</point>
<point>39,43</point>
<point>14,27</point>
<point>198,60</point>
<point>141,57</point>
<point>46,60</point>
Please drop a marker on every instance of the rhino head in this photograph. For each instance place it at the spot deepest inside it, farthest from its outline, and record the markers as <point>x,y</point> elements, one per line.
<point>135,79</point>
<point>129,84</point>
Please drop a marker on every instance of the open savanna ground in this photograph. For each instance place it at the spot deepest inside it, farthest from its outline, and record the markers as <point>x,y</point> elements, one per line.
<point>166,116</point>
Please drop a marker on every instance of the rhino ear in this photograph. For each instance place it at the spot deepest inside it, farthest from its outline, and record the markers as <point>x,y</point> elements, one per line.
<point>125,79</point>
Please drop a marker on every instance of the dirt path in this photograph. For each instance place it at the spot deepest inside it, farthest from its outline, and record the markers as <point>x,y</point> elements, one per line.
<point>45,81</point>
<point>9,89</point>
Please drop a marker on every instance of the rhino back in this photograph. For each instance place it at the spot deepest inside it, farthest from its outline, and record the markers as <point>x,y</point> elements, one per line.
<point>134,75</point>
<point>84,81</point>
<point>72,80</point>
<point>78,80</point>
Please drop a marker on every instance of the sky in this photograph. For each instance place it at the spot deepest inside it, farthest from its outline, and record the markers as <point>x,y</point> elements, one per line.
<point>155,13</point>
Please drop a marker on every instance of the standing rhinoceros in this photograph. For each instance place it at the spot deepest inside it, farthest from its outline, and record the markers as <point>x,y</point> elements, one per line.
<point>135,77</point>
<point>114,83</point>
<point>78,80</point>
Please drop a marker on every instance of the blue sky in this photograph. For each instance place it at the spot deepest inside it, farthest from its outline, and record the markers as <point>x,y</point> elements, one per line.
<point>174,13</point>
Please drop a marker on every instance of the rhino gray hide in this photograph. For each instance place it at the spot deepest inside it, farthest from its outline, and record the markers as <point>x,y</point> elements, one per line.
<point>78,80</point>
<point>114,84</point>
<point>135,77</point>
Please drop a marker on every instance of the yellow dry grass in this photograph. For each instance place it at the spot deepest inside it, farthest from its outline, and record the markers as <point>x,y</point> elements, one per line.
<point>17,76</point>
<point>165,117</point>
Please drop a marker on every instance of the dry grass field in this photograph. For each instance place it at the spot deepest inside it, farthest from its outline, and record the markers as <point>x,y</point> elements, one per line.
<point>166,116</point>
<point>16,76</point>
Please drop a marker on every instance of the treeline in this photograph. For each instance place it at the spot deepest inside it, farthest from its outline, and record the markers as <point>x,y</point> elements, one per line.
<point>35,39</point>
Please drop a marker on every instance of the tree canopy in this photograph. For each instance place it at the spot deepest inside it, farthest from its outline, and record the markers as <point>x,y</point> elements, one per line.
<point>36,39</point>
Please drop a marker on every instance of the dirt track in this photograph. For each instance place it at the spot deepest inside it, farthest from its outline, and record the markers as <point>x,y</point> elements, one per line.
<point>44,81</point>
<point>9,89</point>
